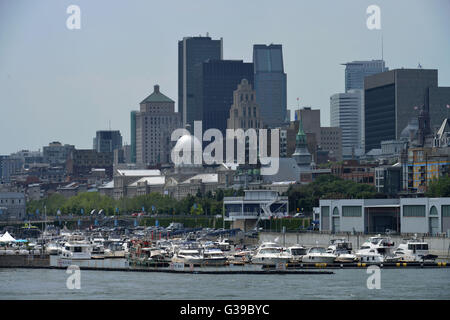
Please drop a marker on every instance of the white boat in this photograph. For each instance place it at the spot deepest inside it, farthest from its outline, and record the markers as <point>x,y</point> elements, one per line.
<point>270,256</point>
<point>342,249</point>
<point>52,248</point>
<point>297,252</point>
<point>188,256</point>
<point>223,245</point>
<point>318,255</point>
<point>414,250</point>
<point>214,257</point>
<point>76,251</point>
<point>376,249</point>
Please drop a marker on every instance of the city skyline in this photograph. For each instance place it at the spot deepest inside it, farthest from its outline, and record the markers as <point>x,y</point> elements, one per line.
<point>64,85</point>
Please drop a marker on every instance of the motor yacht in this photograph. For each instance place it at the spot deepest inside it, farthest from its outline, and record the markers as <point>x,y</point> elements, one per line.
<point>377,249</point>
<point>297,252</point>
<point>414,250</point>
<point>76,251</point>
<point>188,256</point>
<point>342,249</point>
<point>214,257</point>
<point>318,255</point>
<point>270,256</point>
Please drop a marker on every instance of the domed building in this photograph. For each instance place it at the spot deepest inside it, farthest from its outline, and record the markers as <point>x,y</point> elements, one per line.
<point>409,133</point>
<point>187,153</point>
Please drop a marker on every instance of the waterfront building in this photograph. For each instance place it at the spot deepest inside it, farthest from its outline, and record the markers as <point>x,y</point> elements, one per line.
<point>245,212</point>
<point>354,171</point>
<point>191,52</point>
<point>107,141</point>
<point>424,165</point>
<point>216,80</point>
<point>388,179</point>
<point>394,97</point>
<point>152,128</point>
<point>404,215</point>
<point>12,206</point>
<point>270,83</point>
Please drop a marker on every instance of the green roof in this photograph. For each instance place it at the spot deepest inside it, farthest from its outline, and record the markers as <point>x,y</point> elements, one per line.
<point>157,96</point>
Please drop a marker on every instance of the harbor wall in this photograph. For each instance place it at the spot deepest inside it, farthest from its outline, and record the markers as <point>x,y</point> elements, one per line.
<point>20,260</point>
<point>438,245</point>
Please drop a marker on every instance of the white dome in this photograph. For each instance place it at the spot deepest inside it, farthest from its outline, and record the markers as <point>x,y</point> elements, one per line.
<point>188,152</point>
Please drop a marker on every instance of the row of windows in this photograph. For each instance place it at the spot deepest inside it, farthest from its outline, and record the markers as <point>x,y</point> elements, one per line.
<point>12,201</point>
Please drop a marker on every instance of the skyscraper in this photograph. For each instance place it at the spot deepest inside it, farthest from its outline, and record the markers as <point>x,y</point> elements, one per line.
<point>192,51</point>
<point>154,124</point>
<point>394,97</point>
<point>346,113</point>
<point>356,71</point>
<point>270,83</point>
<point>244,112</point>
<point>216,80</point>
<point>107,141</point>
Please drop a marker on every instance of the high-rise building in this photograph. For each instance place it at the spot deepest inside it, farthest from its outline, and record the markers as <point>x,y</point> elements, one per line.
<point>394,97</point>
<point>107,140</point>
<point>270,83</point>
<point>356,71</point>
<point>56,153</point>
<point>346,113</point>
<point>192,51</point>
<point>154,124</point>
<point>327,139</point>
<point>133,136</point>
<point>244,112</point>
<point>216,80</point>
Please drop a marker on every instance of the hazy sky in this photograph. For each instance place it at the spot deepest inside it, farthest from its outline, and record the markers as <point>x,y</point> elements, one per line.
<point>63,85</point>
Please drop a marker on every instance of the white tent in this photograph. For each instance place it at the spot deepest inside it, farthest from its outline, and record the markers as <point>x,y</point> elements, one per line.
<point>7,238</point>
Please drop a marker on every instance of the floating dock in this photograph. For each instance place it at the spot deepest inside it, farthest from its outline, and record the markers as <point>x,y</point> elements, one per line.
<point>359,265</point>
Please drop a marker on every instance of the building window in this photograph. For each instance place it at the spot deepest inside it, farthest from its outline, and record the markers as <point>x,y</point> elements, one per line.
<point>351,211</point>
<point>414,211</point>
<point>325,211</point>
<point>433,211</point>
<point>335,211</point>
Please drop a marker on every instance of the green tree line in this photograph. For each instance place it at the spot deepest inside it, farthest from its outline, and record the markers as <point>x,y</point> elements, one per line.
<point>303,197</point>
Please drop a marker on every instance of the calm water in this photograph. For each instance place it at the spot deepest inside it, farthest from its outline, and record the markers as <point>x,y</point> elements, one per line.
<point>344,284</point>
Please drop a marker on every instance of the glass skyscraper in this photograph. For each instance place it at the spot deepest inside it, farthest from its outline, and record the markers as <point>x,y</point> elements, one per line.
<point>356,71</point>
<point>192,51</point>
<point>216,80</point>
<point>270,83</point>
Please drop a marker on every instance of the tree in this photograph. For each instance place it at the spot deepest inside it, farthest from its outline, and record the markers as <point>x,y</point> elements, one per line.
<point>439,187</point>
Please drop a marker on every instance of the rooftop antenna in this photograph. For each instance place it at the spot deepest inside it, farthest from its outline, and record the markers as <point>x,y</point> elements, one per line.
<point>382,49</point>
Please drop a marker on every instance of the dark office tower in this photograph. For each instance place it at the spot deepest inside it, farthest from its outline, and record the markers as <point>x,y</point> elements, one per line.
<point>133,136</point>
<point>216,81</point>
<point>356,71</point>
<point>393,98</point>
<point>270,83</point>
<point>107,141</point>
<point>191,51</point>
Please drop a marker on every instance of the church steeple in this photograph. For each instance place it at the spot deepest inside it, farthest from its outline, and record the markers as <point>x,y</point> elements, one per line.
<point>301,154</point>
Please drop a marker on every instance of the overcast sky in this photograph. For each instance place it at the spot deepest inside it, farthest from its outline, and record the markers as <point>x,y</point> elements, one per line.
<point>63,85</point>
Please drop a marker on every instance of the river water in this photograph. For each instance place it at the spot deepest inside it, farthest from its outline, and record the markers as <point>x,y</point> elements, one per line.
<point>344,284</point>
